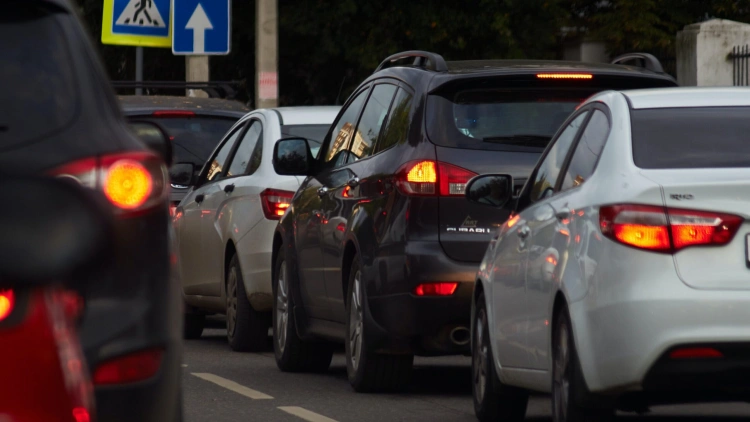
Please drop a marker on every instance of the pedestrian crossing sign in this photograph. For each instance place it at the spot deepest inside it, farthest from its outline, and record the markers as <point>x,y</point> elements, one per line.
<point>141,23</point>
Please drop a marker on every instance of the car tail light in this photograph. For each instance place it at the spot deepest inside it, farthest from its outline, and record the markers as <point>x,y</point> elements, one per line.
<point>131,368</point>
<point>564,76</point>
<point>436,289</point>
<point>81,414</point>
<point>275,202</point>
<point>132,182</point>
<point>7,302</point>
<point>172,210</point>
<point>430,178</point>
<point>666,229</point>
<point>173,113</point>
<point>695,353</point>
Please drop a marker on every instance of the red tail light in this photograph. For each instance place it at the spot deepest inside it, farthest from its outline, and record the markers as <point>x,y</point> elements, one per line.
<point>275,202</point>
<point>173,113</point>
<point>80,414</point>
<point>666,229</point>
<point>695,353</point>
<point>7,301</point>
<point>429,178</point>
<point>131,368</point>
<point>132,182</point>
<point>435,289</point>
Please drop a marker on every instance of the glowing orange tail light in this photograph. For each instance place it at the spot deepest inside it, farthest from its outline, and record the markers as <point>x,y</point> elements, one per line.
<point>275,203</point>
<point>128,184</point>
<point>428,178</point>
<point>422,172</point>
<point>7,301</point>
<point>564,76</point>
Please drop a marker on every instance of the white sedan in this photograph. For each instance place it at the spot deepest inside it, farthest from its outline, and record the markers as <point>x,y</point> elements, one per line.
<point>224,225</point>
<point>623,279</point>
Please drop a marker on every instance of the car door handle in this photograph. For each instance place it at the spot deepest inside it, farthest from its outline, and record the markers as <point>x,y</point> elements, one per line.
<point>353,182</point>
<point>563,214</point>
<point>322,191</point>
<point>199,198</point>
<point>229,188</point>
<point>523,232</point>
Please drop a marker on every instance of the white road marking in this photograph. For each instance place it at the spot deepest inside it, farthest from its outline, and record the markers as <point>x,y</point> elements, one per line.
<point>305,414</point>
<point>231,385</point>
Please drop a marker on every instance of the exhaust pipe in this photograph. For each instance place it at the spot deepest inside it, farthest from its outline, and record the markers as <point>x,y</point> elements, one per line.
<point>460,336</point>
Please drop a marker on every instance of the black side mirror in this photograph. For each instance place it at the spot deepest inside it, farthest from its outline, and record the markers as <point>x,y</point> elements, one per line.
<point>292,157</point>
<point>155,137</point>
<point>490,189</point>
<point>182,174</point>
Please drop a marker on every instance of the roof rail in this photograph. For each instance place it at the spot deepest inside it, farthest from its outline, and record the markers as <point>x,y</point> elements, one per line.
<point>651,62</point>
<point>425,59</point>
<point>226,90</point>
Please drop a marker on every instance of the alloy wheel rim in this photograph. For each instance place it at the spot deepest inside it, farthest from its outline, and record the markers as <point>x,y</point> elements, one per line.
<point>561,377</point>
<point>282,309</point>
<point>231,302</point>
<point>480,358</point>
<point>355,322</point>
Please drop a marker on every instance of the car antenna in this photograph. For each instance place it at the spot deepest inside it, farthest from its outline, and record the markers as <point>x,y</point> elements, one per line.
<point>341,88</point>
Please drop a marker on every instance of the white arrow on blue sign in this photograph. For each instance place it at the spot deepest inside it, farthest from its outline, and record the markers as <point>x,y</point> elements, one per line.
<point>201,27</point>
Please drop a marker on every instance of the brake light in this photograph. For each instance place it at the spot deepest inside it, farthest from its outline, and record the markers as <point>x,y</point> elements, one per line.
<point>7,301</point>
<point>695,353</point>
<point>131,368</point>
<point>275,203</point>
<point>564,76</point>
<point>435,289</point>
<point>134,181</point>
<point>173,113</point>
<point>80,414</point>
<point>429,178</point>
<point>666,229</point>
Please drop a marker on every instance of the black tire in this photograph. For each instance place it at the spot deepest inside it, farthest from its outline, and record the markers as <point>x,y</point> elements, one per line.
<point>247,329</point>
<point>368,371</point>
<point>574,404</point>
<point>493,400</point>
<point>194,324</point>
<point>294,355</point>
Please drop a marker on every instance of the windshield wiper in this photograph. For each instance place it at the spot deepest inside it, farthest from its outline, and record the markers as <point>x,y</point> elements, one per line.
<point>525,140</point>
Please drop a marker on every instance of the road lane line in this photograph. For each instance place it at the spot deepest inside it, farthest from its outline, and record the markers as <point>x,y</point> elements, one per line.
<point>305,414</point>
<point>231,385</point>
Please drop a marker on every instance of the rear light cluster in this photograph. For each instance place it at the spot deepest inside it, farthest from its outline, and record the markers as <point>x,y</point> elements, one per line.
<point>695,353</point>
<point>436,289</point>
<point>431,178</point>
<point>7,302</point>
<point>131,368</point>
<point>275,202</point>
<point>666,229</point>
<point>132,182</point>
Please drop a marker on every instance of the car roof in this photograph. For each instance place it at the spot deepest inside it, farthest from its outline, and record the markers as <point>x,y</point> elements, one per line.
<point>307,115</point>
<point>688,97</point>
<point>526,66</point>
<point>146,104</point>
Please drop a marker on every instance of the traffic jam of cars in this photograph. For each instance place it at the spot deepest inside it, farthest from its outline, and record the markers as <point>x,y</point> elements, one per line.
<point>580,231</point>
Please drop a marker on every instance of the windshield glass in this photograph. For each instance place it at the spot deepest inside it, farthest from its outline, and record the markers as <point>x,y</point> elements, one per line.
<point>313,133</point>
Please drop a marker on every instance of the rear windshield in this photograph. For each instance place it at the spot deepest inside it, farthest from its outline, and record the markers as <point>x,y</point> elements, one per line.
<point>194,138</point>
<point>313,133</point>
<point>39,87</point>
<point>706,137</point>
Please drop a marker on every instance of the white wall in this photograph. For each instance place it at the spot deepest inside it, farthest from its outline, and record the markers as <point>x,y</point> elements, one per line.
<point>703,52</point>
<point>586,51</point>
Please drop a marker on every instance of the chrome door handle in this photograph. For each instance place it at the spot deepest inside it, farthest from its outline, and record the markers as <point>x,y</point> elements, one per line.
<point>563,214</point>
<point>523,232</point>
<point>229,188</point>
<point>353,182</point>
<point>322,191</point>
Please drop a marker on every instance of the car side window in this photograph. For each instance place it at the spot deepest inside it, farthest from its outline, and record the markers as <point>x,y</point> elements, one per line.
<point>241,163</point>
<point>218,161</point>
<point>399,119</point>
<point>548,170</point>
<point>337,153</point>
<point>587,151</point>
<point>371,122</point>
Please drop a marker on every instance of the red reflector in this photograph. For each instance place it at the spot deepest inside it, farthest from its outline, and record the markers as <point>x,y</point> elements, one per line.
<point>436,289</point>
<point>564,76</point>
<point>131,368</point>
<point>275,202</point>
<point>81,415</point>
<point>7,300</point>
<point>695,353</point>
<point>173,113</point>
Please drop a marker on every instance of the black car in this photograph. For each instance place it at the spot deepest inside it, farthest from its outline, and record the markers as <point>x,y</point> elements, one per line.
<point>59,117</point>
<point>195,125</point>
<point>379,249</point>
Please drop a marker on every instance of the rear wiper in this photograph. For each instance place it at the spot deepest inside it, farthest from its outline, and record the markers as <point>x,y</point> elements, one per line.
<point>527,140</point>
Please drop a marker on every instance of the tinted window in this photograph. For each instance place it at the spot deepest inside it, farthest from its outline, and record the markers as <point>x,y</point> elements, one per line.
<point>372,119</point>
<point>194,138</point>
<point>588,150</point>
<point>39,85</point>
<point>217,164</point>
<point>397,128</point>
<point>707,137</point>
<point>549,169</point>
<point>313,133</point>
<point>242,160</point>
<point>341,134</point>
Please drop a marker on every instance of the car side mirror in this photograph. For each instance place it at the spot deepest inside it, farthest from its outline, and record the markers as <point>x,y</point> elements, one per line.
<point>155,137</point>
<point>490,189</point>
<point>182,174</point>
<point>292,157</point>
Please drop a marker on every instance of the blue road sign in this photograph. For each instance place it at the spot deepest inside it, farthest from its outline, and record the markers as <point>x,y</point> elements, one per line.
<point>201,27</point>
<point>137,22</point>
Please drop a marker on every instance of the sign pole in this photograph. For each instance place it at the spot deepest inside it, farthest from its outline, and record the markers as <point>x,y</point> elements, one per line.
<point>266,54</point>
<point>139,68</point>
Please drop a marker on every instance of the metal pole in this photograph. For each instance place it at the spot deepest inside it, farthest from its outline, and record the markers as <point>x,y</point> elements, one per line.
<point>139,68</point>
<point>266,54</point>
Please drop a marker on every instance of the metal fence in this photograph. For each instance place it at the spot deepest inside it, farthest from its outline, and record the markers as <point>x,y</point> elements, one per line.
<point>740,56</point>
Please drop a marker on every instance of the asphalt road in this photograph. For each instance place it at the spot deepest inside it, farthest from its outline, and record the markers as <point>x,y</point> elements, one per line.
<point>225,386</point>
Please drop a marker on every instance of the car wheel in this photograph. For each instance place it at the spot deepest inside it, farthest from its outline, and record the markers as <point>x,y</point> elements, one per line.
<point>194,324</point>
<point>570,396</point>
<point>493,400</point>
<point>247,329</point>
<point>367,370</point>
<point>291,352</point>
